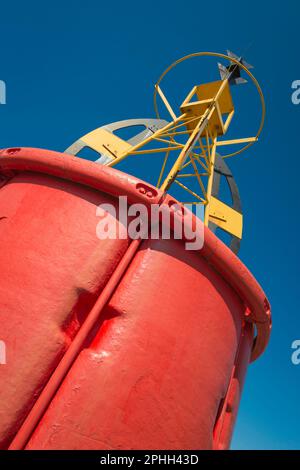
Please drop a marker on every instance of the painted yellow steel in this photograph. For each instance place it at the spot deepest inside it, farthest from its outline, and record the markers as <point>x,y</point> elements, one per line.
<point>203,120</point>
<point>151,138</point>
<point>106,142</point>
<point>206,95</point>
<point>231,60</point>
<point>220,143</point>
<point>209,91</point>
<point>166,102</point>
<point>198,129</point>
<point>206,114</point>
<point>210,181</point>
<point>225,217</point>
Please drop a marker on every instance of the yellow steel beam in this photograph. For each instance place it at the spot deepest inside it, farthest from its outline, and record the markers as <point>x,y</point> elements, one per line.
<point>189,191</point>
<point>106,142</point>
<point>155,150</point>
<point>210,181</point>
<point>166,102</point>
<point>236,141</point>
<point>184,153</point>
<point>163,169</point>
<point>225,217</point>
<point>146,141</point>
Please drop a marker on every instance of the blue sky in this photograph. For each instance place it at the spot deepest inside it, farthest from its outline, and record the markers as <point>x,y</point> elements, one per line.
<point>73,66</point>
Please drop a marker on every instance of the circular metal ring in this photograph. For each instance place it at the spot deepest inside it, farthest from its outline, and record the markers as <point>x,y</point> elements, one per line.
<point>232,60</point>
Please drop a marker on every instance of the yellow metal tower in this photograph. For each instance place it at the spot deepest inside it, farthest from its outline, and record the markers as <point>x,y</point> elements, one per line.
<point>190,139</point>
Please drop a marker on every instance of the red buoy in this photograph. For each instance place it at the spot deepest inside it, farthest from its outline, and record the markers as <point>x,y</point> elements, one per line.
<point>114,344</point>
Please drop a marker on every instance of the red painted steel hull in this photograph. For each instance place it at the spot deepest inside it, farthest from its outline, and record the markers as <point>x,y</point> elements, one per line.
<point>114,344</point>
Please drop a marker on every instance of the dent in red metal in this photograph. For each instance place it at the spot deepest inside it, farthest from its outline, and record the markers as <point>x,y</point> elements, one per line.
<point>159,364</point>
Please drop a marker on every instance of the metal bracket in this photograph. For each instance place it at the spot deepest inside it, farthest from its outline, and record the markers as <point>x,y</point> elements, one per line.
<point>94,141</point>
